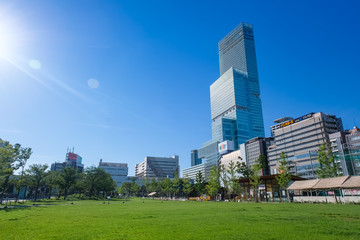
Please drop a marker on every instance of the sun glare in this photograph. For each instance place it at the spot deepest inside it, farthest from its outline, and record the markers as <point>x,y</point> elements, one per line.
<point>7,39</point>
<point>12,36</point>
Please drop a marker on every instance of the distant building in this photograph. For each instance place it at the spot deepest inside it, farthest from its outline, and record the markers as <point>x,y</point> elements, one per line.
<point>256,147</point>
<point>337,144</point>
<point>191,172</point>
<point>300,139</point>
<point>75,161</point>
<point>118,171</point>
<point>279,121</point>
<point>57,166</point>
<point>352,151</point>
<point>208,155</point>
<point>195,160</point>
<point>234,157</point>
<point>72,160</point>
<point>345,146</point>
<point>158,167</point>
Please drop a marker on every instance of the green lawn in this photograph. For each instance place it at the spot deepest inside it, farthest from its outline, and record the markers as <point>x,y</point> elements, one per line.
<point>181,220</point>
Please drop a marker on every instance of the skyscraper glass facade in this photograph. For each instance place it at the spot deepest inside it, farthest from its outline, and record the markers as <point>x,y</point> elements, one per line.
<point>236,110</point>
<point>237,50</point>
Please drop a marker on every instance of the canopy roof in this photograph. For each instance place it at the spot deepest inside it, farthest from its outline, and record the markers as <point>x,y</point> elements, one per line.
<point>326,183</point>
<point>303,185</point>
<point>352,182</point>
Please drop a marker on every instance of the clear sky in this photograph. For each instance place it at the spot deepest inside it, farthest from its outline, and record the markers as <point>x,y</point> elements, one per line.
<point>121,80</point>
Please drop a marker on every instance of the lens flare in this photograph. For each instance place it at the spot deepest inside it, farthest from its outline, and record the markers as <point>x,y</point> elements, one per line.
<point>35,64</point>
<point>93,83</point>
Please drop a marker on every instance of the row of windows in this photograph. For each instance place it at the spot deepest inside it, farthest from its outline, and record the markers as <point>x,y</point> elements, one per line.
<point>355,138</point>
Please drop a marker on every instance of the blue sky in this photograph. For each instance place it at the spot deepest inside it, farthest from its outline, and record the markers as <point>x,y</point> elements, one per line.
<point>153,63</point>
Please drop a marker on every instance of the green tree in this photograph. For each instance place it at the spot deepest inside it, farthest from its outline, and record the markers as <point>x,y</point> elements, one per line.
<point>283,177</point>
<point>262,161</point>
<point>66,180</point>
<point>89,181</point>
<point>224,179</point>
<point>166,187</point>
<point>126,188</point>
<point>107,184</point>
<point>24,155</point>
<point>146,183</point>
<point>177,185</point>
<point>36,175</point>
<point>80,186</point>
<point>9,162</point>
<point>97,180</point>
<point>328,167</point>
<point>135,188</point>
<point>213,186</point>
<point>234,185</point>
<point>154,186</point>
<point>244,170</point>
<point>51,182</point>
<point>255,177</point>
<point>199,184</point>
<point>187,187</point>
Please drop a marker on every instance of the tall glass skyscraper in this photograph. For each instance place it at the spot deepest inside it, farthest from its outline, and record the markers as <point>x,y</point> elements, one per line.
<point>236,110</point>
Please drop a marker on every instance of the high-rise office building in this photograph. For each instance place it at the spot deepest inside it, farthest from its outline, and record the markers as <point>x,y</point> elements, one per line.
<point>237,49</point>
<point>160,167</point>
<point>300,140</point>
<point>236,110</point>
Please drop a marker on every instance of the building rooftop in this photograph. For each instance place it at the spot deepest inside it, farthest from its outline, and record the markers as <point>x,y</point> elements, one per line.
<point>303,185</point>
<point>283,119</point>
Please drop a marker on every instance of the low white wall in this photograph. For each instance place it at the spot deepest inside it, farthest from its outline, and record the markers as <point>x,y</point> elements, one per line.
<point>351,199</point>
<point>329,199</point>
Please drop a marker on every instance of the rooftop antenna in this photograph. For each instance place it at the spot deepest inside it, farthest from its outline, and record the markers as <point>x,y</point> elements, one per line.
<point>355,125</point>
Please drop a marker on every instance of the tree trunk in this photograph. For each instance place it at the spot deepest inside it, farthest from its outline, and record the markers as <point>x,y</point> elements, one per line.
<point>35,195</point>
<point>18,194</point>
<point>50,190</point>
<point>65,194</point>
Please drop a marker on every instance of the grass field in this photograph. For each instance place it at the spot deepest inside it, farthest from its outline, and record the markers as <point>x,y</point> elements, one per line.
<point>154,219</point>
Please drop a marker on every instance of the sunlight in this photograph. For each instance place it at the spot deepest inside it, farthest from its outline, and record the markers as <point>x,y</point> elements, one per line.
<point>9,38</point>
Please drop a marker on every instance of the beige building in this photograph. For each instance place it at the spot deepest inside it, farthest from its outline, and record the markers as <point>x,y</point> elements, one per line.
<point>300,139</point>
<point>234,157</point>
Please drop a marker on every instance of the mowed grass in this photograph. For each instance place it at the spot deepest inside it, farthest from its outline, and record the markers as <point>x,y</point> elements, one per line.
<point>155,219</point>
